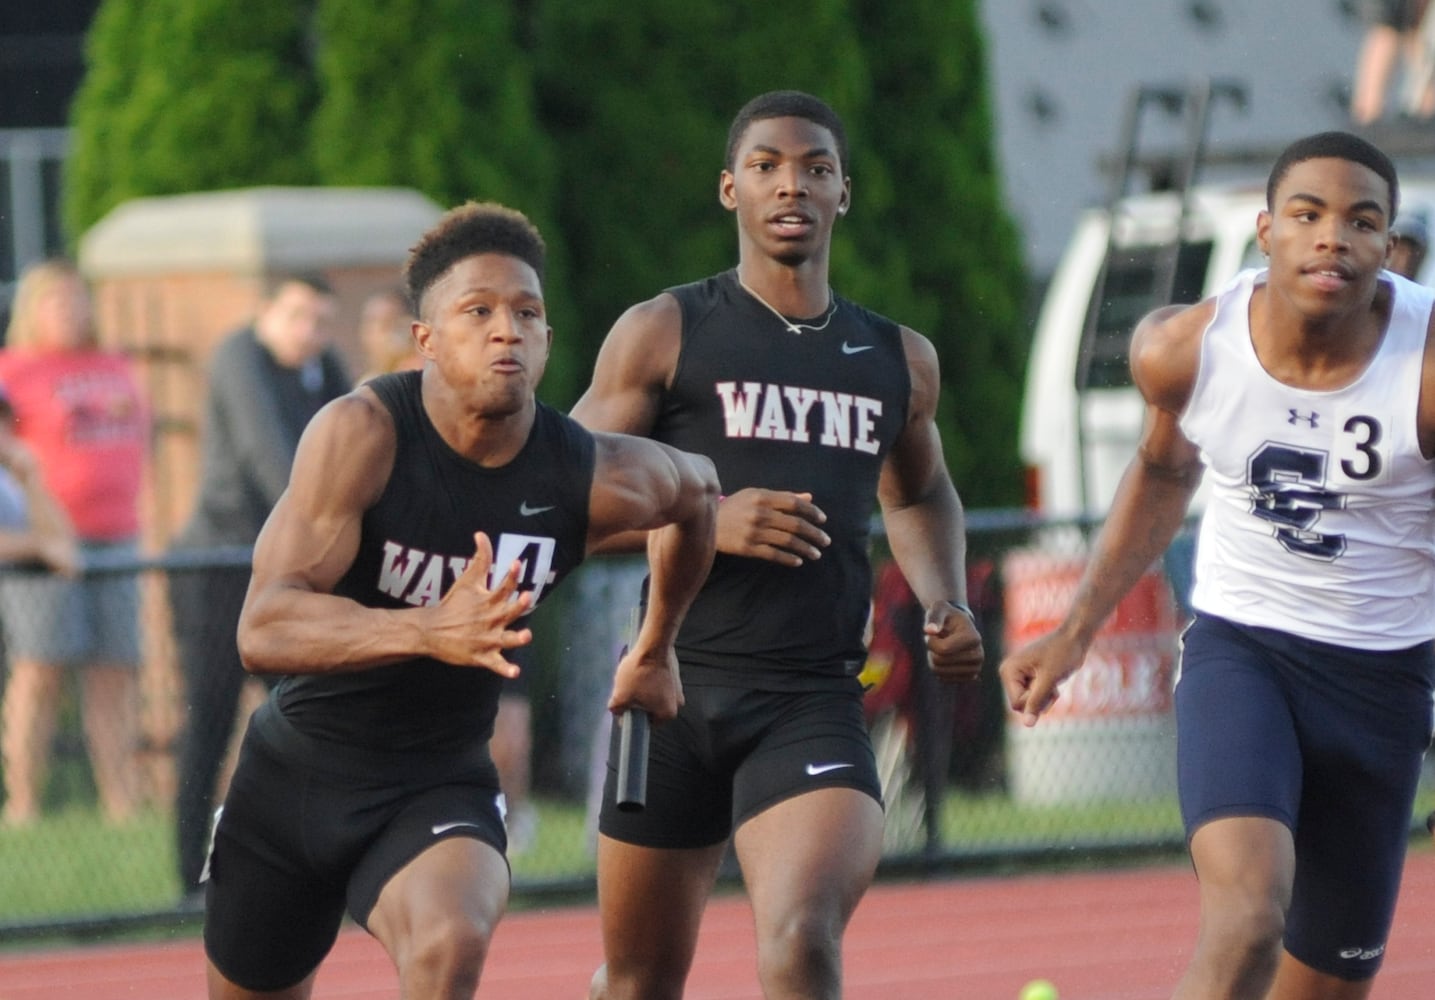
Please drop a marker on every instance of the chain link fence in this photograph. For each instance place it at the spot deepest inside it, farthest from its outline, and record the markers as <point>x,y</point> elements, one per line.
<point>966,788</point>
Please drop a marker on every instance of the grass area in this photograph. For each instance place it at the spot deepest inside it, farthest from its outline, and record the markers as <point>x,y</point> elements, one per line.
<point>561,848</point>
<point>72,865</point>
<point>993,821</point>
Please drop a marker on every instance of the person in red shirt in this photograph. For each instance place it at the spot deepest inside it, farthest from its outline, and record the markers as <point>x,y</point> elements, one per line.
<point>80,411</point>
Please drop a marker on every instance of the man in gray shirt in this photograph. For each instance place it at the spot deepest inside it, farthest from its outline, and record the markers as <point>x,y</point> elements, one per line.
<point>265,383</point>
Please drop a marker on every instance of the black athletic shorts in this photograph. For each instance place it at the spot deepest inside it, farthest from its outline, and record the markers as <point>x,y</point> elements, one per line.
<point>1324,739</point>
<point>310,829</point>
<point>733,752</point>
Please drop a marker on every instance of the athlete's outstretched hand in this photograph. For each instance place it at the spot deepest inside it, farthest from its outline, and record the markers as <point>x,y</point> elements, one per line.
<point>954,646</point>
<point>775,525</point>
<point>469,626</point>
<point>647,679</point>
<point>1031,674</point>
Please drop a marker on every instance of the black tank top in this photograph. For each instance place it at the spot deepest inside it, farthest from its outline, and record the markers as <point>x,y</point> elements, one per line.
<point>811,412</point>
<point>415,542</point>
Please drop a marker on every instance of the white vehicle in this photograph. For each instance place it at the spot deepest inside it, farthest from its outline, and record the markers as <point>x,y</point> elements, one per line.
<point>1081,416</point>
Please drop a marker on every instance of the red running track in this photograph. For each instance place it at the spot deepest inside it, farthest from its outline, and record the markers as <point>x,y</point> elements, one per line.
<point>1112,935</point>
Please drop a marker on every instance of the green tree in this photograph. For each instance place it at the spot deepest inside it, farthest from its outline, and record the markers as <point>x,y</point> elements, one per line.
<point>934,247</point>
<point>188,95</point>
<point>438,95</point>
<point>605,123</point>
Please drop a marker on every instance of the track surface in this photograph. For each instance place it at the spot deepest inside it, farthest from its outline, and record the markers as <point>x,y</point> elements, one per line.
<point>1116,935</point>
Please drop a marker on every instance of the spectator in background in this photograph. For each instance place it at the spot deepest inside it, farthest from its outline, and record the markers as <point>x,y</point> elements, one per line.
<point>266,381</point>
<point>386,335</point>
<point>1392,38</point>
<point>1412,239</point>
<point>33,529</point>
<point>80,413</point>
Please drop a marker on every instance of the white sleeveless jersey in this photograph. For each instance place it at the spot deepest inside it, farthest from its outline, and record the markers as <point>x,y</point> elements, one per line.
<point>1320,521</point>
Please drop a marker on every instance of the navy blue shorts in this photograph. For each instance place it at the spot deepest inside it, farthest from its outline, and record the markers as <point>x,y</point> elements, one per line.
<point>308,831</point>
<point>1324,739</point>
<point>733,752</point>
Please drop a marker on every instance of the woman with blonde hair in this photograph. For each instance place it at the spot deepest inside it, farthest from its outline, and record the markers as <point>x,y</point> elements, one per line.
<point>80,412</point>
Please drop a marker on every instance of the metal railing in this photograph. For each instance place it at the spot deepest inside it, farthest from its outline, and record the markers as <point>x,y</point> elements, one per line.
<point>966,790</point>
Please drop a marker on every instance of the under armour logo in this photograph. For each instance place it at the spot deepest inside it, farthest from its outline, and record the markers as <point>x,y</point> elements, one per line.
<point>1310,418</point>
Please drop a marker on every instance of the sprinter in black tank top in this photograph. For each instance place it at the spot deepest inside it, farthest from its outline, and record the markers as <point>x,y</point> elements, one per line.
<point>814,411</point>
<point>425,515</point>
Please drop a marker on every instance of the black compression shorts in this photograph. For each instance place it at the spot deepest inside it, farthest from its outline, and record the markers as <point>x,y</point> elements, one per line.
<point>307,832</point>
<point>733,752</point>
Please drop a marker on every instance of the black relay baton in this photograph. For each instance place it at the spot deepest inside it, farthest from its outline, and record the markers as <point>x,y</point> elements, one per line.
<point>633,725</point>
<point>632,760</point>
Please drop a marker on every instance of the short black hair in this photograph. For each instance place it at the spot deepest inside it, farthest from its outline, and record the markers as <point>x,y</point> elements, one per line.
<point>786,104</point>
<point>1413,228</point>
<point>312,279</point>
<point>470,229</point>
<point>1340,146</point>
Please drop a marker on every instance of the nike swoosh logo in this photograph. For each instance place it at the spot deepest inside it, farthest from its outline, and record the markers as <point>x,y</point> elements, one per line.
<point>856,348</point>
<point>528,511</point>
<point>439,828</point>
<point>815,769</point>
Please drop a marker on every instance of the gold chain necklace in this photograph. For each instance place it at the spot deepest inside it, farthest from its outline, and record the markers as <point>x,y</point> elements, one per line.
<point>792,327</point>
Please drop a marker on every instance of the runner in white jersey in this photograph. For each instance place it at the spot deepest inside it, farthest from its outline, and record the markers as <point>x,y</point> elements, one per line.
<point>1333,477</point>
<point>1306,392</point>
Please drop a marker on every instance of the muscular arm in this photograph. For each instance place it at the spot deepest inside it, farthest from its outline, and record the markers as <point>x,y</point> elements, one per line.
<point>1148,509</point>
<point>672,496</point>
<point>925,525</point>
<point>632,370</point>
<point>293,622</point>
